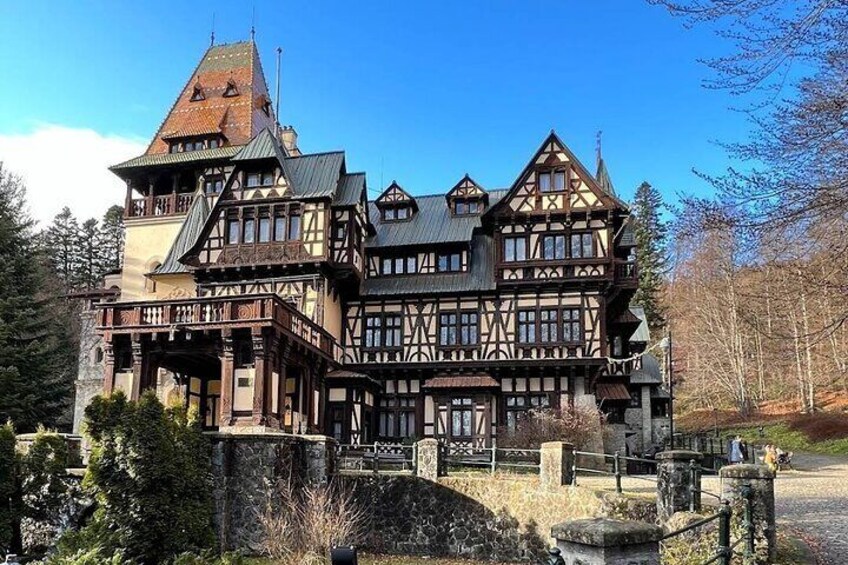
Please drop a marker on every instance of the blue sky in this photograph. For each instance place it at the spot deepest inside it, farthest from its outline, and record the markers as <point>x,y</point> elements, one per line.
<point>413,91</point>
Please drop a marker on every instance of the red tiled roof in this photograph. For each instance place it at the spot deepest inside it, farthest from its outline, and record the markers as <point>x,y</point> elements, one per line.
<point>462,381</point>
<point>613,391</point>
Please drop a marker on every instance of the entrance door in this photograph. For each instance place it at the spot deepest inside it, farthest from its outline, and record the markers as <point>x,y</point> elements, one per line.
<point>463,421</point>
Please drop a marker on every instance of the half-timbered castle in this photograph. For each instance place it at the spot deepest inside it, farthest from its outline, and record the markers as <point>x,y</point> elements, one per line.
<point>261,284</point>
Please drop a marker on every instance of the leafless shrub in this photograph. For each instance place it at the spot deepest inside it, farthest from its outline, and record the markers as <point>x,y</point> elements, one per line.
<point>576,425</point>
<point>301,527</point>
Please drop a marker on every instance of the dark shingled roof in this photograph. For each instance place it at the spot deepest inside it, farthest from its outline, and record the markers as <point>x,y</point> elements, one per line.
<point>433,223</point>
<point>626,235</point>
<point>603,178</point>
<point>462,381</point>
<point>176,158</point>
<point>650,372</point>
<point>642,333</point>
<point>263,146</point>
<point>189,232</point>
<point>481,277</point>
<point>350,190</point>
<point>613,391</point>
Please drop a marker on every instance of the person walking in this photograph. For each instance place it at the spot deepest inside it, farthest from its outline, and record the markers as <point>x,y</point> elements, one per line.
<point>734,454</point>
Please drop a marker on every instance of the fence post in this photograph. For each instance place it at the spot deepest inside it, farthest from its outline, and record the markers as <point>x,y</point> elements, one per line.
<point>675,490</point>
<point>376,458</point>
<point>724,533</point>
<point>494,454</point>
<point>428,459</point>
<point>556,461</point>
<point>616,467</point>
<point>694,486</point>
<point>601,541</point>
<point>747,494</point>
<point>758,482</point>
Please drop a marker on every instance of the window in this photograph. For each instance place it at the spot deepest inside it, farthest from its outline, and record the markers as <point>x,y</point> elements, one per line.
<point>254,180</point>
<point>231,89</point>
<point>458,328</point>
<point>214,143</point>
<point>517,406</point>
<point>548,326</point>
<point>233,232</point>
<point>552,181</point>
<point>582,246</point>
<point>553,247</point>
<point>515,249</point>
<point>572,329</point>
<point>341,230</point>
<point>193,146</point>
<point>337,422</point>
<point>399,265</point>
<point>249,225</point>
<point>294,226</point>
<point>461,412</point>
<point>465,207</point>
<point>392,331</point>
<point>213,185</point>
<point>449,262</point>
<point>373,332</point>
<point>397,417</point>
<point>279,228</point>
<point>243,354</point>
<point>264,230</point>
<point>174,148</point>
<point>197,94</point>
<point>526,326</point>
<point>412,264</point>
<point>397,213</point>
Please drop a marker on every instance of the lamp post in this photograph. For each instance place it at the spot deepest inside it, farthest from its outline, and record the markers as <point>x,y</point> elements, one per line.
<point>666,346</point>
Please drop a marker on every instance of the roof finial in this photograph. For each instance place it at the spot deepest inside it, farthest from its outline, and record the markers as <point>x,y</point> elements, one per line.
<point>253,24</point>
<point>212,37</point>
<point>277,102</point>
<point>598,147</point>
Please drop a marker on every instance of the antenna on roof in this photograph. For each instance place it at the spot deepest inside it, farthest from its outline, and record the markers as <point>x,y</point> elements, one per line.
<point>253,23</point>
<point>598,147</point>
<point>277,103</point>
<point>212,38</point>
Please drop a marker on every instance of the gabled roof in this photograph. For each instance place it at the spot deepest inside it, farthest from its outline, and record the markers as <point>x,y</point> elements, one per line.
<point>187,236</point>
<point>642,333</point>
<point>262,146</point>
<point>316,175</point>
<point>626,235</point>
<point>480,278</point>
<point>467,187</point>
<point>395,194</point>
<point>215,154</point>
<point>434,223</point>
<point>238,118</point>
<point>649,374</point>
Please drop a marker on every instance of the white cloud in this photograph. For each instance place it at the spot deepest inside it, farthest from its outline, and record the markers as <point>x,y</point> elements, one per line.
<point>65,166</point>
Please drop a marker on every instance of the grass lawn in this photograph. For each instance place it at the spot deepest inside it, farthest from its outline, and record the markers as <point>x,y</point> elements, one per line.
<point>789,439</point>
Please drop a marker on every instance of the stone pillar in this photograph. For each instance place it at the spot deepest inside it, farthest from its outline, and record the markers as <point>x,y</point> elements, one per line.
<point>260,379</point>
<point>647,431</point>
<point>320,454</point>
<point>601,541</point>
<point>555,464</point>
<point>757,481</point>
<point>138,367</point>
<point>427,462</point>
<point>674,492</point>
<point>227,375</point>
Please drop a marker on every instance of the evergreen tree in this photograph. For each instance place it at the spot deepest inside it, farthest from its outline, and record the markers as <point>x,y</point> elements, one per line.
<point>651,252</point>
<point>112,237</point>
<point>36,352</point>
<point>92,255</point>
<point>62,242</point>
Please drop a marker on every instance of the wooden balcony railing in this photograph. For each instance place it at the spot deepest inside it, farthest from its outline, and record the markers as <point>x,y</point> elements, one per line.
<point>625,272</point>
<point>165,205</point>
<point>217,313</point>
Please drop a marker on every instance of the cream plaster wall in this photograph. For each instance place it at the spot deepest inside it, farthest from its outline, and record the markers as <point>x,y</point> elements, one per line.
<point>147,243</point>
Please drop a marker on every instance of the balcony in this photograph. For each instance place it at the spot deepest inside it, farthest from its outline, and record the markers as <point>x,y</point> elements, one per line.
<point>626,273</point>
<point>213,313</point>
<point>165,205</point>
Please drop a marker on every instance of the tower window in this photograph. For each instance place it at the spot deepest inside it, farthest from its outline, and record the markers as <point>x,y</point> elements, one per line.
<point>197,94</point>
<point>231,90</point>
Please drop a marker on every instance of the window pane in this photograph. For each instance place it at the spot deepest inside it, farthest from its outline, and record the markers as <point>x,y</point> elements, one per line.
<point>560,247</point>
<point>548,247</point>
<point>454,262</point>
<point>267,179</point>
<point>399,262</point>
<point>264,229</point>
<point>233,232</point>
<point>443,263</point>
<point>294,227</point>
<point>252,180</point>
<point>412,264</point>
<point>389,214</point>
<point>456,423</point>
<point>387,266</point>
<point>466,422</point>
<point>509,249</point>
<point>575,246</point>
<point>559,180</point>
<point>521,249</point>
<point>545,182</point>
<point>588,250</point>
<point>248,230</point>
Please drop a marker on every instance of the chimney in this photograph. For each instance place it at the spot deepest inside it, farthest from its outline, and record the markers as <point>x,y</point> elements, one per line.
<point>288,137</point>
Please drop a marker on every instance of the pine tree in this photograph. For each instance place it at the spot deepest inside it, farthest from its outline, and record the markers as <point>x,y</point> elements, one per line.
<point>92,255</point>
<point>112,237</point>
<point>36,351</point>
<point>62,241</point>
<point>651,252</point>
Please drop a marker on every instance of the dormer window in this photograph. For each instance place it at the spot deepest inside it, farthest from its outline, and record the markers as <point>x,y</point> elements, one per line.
<point>401,213</point>
<point>197,93</point>
<point>467,207</point>
<point>231,90</point>
<point>552,181</point>
<point>197,145</point>
<point>260,179</point>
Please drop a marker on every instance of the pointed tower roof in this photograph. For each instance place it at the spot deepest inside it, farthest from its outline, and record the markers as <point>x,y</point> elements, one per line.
<point>603,178</point>
<point>187,236</point>
<point>226,94</point>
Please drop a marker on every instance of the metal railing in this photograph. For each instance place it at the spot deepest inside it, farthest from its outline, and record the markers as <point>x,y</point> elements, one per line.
<point>618,467</point>
<point>492,459</point>
<point>377,457</point>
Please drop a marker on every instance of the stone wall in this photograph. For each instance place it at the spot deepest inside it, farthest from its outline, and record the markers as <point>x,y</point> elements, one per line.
<point>90,367</point>
<point>248,468</point>
<point>479,517</point>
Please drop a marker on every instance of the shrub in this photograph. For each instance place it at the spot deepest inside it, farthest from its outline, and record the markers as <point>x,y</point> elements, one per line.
<point>301,527</point>
<point>576,425</point>
<point>150,473</point>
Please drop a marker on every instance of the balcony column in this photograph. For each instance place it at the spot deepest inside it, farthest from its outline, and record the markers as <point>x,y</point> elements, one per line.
<point>227,371</point>
<point>138,368</point>
<point>262,364</point>
<point>108,366</point>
